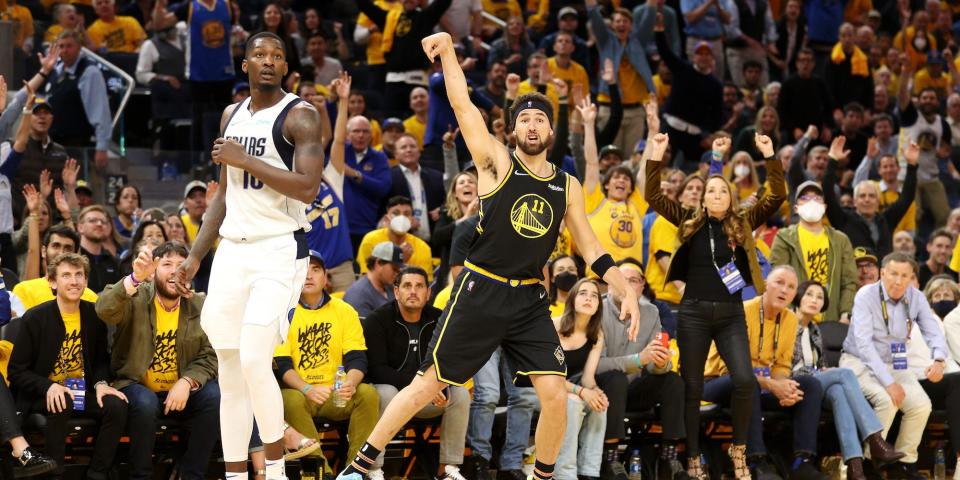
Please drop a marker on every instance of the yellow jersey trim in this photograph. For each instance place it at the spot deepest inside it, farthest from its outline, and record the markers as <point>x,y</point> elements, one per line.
<point>534,175</point>
<point>436,363</point>
<point>545,372</point>
<point>499,185</point>
<point>513,282</point>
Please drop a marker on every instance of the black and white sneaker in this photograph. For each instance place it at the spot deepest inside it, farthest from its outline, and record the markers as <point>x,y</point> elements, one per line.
<point>450,472</point>
<point>31,463</point>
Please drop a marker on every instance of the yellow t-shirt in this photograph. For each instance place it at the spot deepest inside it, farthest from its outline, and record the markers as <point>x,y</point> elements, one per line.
<point>633,89</point>
<point>617,225</point>
<point>70,360</point>
<point>318,339</point>
<point>905,43</point>
<point>52,33</point>
<point>909,221</point>
<point>34,292</point>
<point>421,256</point>
<point>564,244</point>
<point>663,89</point>
<point>374,49</point>
<point>557,309</point>
<point>923,80</point>
<point>502,9</point>
<point>955,259</point>
<point>527,87</point>
<point>663,238</point>
<point>124,34</point>
<point>575,74</point>
<point>780,360</point>
<point>22,20</point>
<point>443,297</point>
<point>415,127</point>
<point>163,371</point>
<point>375,132</point>
<point>816,251</point>
<point>191,228</point>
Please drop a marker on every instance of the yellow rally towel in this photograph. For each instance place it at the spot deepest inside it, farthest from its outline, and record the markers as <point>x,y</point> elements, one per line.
<point>858,64</point>
<point>393,16</point>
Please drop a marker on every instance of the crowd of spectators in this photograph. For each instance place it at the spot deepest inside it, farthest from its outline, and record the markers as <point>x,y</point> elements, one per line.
<point>860,100</point>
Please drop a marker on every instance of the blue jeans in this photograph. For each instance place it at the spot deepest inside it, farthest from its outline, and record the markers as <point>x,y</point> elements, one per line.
<point>201,416</point>
<point>582,446</point>
<point>806,412</point>
<point>851,411</point>
<point>521,403</point>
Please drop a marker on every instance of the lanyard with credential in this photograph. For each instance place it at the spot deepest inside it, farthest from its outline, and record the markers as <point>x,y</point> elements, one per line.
<point>713,252</point>
<point>886,317</point>
<point>776,334</point>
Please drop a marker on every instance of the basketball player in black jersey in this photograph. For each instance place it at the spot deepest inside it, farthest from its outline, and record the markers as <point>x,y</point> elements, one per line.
<point>498,300</point>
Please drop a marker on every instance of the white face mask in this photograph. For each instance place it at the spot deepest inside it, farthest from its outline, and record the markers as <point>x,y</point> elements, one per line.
<point>741,171</point>
<point>811,211</point>
<point>400,224</point>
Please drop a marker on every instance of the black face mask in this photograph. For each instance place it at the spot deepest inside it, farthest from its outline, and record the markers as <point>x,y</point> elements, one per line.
<point>943,307</point>
<point>564,281</point>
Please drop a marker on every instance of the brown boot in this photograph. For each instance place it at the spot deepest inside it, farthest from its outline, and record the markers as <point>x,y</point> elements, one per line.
<point>881,452</point>
<point>855,469</point>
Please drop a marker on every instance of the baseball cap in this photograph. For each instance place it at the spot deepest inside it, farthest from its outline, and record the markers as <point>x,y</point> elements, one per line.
<point>808,185</point>
<point>703,44</point>
<point>393,122</point>
<point>874,14</point>
<point>315,255</point>
<point>193,185</point>
<point>865,253</point>
<point>41,104</point>
<point>83,185</point>
<point>568,10</point>
<point>240,86</point>
<point>611,149</point>
<point>388,252</point>
<point>934,57</point>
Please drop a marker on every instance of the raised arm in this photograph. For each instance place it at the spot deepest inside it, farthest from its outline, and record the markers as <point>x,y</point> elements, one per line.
<point>591,175</point>
<point>338,149</point>
<point>376,14</point>
<point>895,212</point>
<point>669,209</point>
<point>770,202</point>
<point>835,213</point>
<point>480,143</point>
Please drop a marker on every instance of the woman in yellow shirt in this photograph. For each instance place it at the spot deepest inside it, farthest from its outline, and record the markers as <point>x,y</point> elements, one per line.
<point>663,242</point>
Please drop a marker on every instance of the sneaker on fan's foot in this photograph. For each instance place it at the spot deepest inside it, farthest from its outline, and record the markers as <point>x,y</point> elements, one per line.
<point>375,474</point>
<point>450,472</point>
<point>481,468</point>
<point>31,463</point>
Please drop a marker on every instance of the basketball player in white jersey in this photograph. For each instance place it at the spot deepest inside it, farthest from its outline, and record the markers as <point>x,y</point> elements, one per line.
<point>271,160</point>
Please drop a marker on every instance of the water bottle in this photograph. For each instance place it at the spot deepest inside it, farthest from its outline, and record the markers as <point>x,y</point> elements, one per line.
<point>168,171</point>
<point>939,464</point>
<point>339,401</point>
<point>634,473</point>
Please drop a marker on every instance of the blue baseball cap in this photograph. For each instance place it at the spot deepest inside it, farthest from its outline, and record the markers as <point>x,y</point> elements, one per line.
<point>315,255</point>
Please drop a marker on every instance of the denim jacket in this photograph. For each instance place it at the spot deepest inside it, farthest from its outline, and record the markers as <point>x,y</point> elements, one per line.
<point>610,47</point>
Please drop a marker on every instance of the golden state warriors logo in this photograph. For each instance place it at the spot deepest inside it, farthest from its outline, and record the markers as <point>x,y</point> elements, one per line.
<point>213,34</point>
<point>403,27</point>
<point>531,216</point>
<point>622,232</point>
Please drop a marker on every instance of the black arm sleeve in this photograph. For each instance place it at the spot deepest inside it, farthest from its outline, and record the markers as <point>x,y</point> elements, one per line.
<point>609,131</point>
<point>561,137</point>
<point>376,14</point>
<point>355,360</point>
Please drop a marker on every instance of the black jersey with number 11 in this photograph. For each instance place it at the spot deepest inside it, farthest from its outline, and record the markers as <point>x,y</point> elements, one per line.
<point>519,222</point>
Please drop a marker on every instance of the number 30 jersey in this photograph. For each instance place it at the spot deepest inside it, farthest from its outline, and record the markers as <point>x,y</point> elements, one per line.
<point>254,210</point>
<point>519,222</point>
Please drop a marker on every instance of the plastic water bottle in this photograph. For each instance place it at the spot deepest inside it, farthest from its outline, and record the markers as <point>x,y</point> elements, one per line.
<point>939,464</point>
<point>634,472</point>
<point>168,171</point>
<point>339,401</point>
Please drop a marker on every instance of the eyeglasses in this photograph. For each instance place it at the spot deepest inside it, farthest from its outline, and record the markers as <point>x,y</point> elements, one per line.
<point>810,196</point>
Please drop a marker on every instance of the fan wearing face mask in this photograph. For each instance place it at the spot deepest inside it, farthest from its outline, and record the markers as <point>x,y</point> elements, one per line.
<point>563,274</point>
<point>399,222</point>
<point>818,252</point>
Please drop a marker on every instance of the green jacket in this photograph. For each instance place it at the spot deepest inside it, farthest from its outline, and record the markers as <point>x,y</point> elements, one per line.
<point>843,268</point>
<point>134,341</point>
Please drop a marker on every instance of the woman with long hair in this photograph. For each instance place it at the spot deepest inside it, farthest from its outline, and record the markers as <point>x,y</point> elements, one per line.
<point>462,203</point>
<point>149,233</point>
<point>663,238</point>
<point>513,48</point>
<point>853,417</point>
<point>768,123</point>
<point>716,250</point>
<point>175,228</point>
<point>126,204</point>
<point>563,275</point>
<point>743,175</point>
<point>581,338</point>
<point>274,20</point>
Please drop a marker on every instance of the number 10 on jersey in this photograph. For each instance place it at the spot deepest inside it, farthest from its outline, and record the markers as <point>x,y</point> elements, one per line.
<point>249,181</point>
